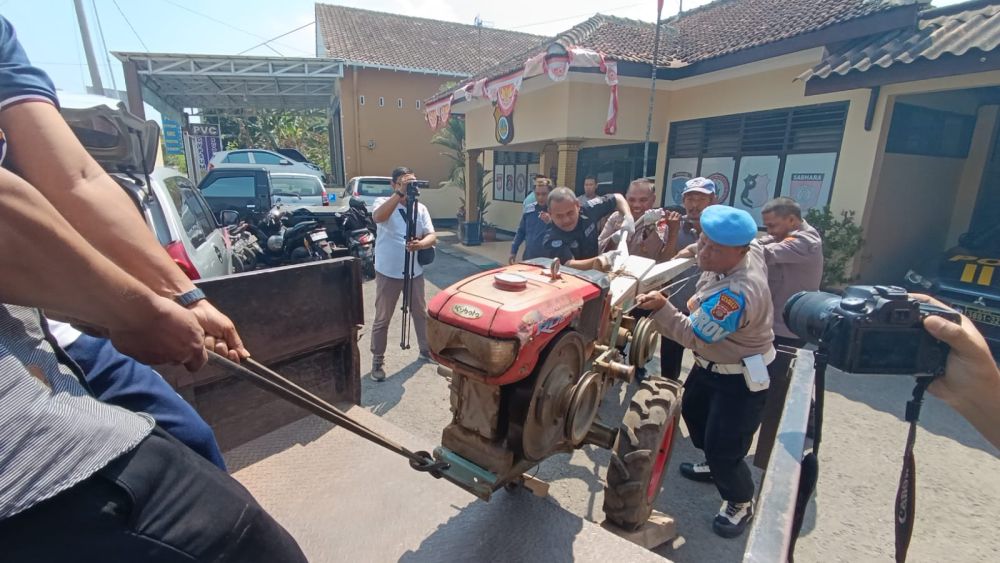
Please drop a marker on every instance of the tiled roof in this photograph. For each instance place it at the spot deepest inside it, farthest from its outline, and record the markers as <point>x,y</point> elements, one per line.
<point>719,28</point>
<point>953,30</point>
<point>393,40</point>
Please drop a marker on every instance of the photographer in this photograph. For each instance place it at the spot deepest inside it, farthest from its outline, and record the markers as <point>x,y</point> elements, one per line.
<point>729,331</point>
<point>971,381</point>
<point>391,247</point>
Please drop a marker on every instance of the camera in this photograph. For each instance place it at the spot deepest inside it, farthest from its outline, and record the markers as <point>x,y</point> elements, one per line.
<point>870,329</point>
<point>413,188</point>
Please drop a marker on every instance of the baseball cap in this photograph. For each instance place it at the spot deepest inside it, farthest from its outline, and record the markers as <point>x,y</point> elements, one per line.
<point>700,185</point>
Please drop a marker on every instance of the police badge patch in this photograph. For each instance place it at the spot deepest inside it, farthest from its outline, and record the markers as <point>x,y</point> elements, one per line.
<point>718,316</point>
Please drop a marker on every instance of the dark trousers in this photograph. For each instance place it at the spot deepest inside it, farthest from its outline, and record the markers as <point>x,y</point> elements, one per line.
<point>159,503</point>
<point>119,380</point>
<point>722,416</point>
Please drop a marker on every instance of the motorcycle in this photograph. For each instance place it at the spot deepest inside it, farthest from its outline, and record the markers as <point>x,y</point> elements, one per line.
<point>360,229</point>
<point>246,247</point>
<point>292,238</point>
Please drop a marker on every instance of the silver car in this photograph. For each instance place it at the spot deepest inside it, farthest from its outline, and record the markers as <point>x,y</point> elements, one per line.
<point>180,218</point>
<point>260,158</point>
<point>173,208</point>
<point>368,189</point>
<point>297,190</point>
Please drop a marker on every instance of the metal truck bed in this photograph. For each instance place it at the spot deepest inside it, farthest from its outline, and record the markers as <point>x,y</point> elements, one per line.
<point>345,499</point>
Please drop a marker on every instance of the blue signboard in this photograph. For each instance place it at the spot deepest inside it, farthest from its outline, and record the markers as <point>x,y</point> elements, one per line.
<point>173,141</point>
<point>206,147</point>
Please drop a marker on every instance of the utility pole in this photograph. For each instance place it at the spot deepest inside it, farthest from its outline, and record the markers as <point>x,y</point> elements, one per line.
<point>652,90</point>
<point>88,49</point>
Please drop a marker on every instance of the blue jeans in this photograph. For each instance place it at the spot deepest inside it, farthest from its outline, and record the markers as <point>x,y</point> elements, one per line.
<point>119,380</point>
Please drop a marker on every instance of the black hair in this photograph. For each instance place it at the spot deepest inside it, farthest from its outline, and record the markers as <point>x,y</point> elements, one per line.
<point>590,177</point>
<point>782,207</point>
<point>400,171</point>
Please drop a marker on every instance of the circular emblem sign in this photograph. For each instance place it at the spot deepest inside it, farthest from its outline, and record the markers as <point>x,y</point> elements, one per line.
<point>466,311</point>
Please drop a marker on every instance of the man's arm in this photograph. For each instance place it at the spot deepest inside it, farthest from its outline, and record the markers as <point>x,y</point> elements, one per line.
<point>794,249</point>
<point>610,228</point>
<point>428,237</point>
<point>384,210</point>
<point>698,330</point>
<point>48,155</point>
<point>585,264</point>
<point>48,265</point>
<point>519,236</point>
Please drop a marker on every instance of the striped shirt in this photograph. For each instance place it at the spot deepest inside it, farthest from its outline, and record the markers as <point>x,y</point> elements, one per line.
<point>52,433</point>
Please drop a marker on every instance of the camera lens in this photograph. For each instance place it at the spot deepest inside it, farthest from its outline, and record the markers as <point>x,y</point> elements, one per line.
<point>807,312</point>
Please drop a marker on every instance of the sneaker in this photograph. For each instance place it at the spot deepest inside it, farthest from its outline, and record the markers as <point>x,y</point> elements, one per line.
<point>426,357</point>
<point>732,518</point>
<point>378,374</point>
<point>697,472</point>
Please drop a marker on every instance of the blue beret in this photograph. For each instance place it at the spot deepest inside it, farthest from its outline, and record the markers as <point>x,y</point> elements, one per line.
<point>728,226</point>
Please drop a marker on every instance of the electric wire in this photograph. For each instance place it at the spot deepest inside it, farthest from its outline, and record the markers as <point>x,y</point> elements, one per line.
<point>130,26</point>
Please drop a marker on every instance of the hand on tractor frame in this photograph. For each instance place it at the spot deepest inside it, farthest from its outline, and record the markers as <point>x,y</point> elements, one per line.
<point>652,301</point>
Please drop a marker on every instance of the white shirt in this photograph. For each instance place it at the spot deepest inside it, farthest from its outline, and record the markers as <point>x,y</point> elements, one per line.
<point>390,245</point>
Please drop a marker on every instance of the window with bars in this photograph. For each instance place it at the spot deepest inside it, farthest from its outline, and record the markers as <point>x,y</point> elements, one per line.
<point>754,157</point>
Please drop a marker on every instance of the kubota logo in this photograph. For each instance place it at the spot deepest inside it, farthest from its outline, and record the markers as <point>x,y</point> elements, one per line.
<point>466,311</point>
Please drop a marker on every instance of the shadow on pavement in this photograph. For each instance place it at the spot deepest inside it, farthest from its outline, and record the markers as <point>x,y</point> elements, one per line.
<point>501,530</point>
<point>889,394</point>
<point>390,391</point>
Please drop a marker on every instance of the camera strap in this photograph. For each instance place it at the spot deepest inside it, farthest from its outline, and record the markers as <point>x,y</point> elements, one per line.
<point>905,507</point>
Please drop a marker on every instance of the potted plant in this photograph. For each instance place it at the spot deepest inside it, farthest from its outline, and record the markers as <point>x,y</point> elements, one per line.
<point>489,232</point>
<point>842,240</point>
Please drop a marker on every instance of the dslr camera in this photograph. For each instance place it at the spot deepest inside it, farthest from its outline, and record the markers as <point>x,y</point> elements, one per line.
<point>413,188</point>
<point>870,329</point>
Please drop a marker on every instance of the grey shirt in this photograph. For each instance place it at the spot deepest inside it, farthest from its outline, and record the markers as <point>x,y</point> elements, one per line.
<point>52,433</point>
<point>730,315</point>
<point>794,264</point>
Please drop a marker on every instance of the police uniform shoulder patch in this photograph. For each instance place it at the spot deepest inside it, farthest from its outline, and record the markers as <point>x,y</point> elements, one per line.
<point>718,316</point>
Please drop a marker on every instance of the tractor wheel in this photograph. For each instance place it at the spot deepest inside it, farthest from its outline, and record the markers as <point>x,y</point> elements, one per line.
<point>642,452</point>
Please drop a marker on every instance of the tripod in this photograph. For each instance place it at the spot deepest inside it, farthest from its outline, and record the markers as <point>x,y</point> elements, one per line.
<point>410,214</point>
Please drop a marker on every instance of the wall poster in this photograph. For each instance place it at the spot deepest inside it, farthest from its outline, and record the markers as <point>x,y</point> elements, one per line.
<point>498,182</point>
<point>508,182</point>
<point>520,182</point>
<point>679,171</point>
<point>809,178</point>
<point>756,183</point>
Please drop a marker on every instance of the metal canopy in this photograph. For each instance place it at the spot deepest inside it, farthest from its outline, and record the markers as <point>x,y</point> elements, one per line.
<point>231,82</point>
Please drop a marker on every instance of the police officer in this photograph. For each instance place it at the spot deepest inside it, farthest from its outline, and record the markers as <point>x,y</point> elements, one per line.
<point>572,233</point>
<point>729,331</point>
<point>793,251</point>
<point>534,223</point>
<point>698,194</point>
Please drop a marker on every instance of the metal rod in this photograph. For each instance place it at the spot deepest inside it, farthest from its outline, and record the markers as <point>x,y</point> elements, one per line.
<point>680,282</point>
<point>652,91</point>
<point>273,382</point>
<point>88,48</point>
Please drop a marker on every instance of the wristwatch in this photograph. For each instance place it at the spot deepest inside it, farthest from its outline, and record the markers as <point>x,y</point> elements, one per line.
<point>400,194</point>
<point>189,298</point>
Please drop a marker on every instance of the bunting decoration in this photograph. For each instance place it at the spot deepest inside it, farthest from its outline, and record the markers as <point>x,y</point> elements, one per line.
<point>554,62</point>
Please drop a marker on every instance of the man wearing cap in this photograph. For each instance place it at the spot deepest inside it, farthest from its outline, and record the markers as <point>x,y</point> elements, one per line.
<point>729,331</point>
<point>534,223</point>
<point>572,233</point>
<point>698,194</point>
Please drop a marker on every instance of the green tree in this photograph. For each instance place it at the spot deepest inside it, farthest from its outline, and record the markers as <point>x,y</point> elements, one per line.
<point>841,243</point>
<point>452,138</point>
<point>305,130</point>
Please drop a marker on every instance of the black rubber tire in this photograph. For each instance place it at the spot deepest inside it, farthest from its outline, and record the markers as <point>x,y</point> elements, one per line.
<point>653,411</point>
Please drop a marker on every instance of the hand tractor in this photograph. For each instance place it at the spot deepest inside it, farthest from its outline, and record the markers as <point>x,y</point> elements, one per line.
<point>531,351</point>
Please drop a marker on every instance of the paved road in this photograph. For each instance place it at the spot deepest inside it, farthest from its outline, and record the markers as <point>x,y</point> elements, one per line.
<point>850,518</point>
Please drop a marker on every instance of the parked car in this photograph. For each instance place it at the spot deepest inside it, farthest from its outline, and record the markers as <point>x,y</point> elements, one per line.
<point>183,223</point>
<point>169,203</point>
<point>273,161</point>
<point>251,191</point>
<point>297,189</point>
<point>964,278</point>
<point>368,189</point>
